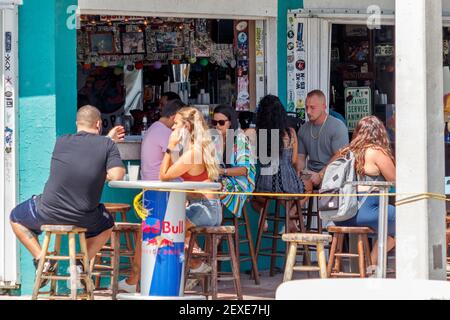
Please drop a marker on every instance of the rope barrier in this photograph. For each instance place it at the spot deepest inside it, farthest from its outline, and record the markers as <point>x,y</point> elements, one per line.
<point>410,197</point>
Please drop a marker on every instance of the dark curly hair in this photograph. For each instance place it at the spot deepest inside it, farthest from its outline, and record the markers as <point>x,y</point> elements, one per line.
<point>272,115</point>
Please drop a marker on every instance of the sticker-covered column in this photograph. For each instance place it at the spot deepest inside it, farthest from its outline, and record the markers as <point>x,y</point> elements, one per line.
<point>9,144</point>
<point>296,65</point>
<point>241,36</point>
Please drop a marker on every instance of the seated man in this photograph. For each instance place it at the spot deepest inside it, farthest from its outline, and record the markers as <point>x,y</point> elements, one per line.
<point>319,139</point>
<point>80,164</point>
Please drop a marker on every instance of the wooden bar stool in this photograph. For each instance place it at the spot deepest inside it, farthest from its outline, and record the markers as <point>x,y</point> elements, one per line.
<point>113,253</point>
<point>310,214</point>
<point>274,234</point>
<point>120,209</point>
<point>213,236</point>
<point>336,251</point>
<point>71,232</point>
<point>102,260</point>
<point>246,239</point>
<point>305,239</point>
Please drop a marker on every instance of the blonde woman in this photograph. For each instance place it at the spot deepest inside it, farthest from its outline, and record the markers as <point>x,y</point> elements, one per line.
<point>196,163</point>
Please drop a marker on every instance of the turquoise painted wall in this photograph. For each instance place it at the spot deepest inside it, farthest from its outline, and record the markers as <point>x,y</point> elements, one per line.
<point>47,64</point>
<point>47,61</point>
<point>37,106</point>
<point>283,7</point>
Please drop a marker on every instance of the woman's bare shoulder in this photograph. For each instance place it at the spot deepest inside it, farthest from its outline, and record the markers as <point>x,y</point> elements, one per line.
<point>375,153</point>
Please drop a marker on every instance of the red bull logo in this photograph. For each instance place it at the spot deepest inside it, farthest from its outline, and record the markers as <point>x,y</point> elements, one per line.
<point>169,228</point>
<point>153,226</point>
<point>160,242</point>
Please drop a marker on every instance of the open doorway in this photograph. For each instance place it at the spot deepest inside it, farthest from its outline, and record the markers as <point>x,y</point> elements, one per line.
<point>362,74</point>
<point>125,65</point>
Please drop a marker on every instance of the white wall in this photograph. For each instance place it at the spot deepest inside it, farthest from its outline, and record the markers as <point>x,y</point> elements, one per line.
<point>360,4</point>
<point>175,8</point>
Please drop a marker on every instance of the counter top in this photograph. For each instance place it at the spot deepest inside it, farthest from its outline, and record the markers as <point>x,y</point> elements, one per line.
<point>142,184</point>
<point>130,148</point>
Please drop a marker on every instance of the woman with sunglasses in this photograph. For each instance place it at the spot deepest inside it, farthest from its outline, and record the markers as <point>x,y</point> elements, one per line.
<point>237,170</point>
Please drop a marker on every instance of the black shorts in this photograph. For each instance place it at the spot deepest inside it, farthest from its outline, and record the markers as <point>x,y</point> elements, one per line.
<point>26,214</point>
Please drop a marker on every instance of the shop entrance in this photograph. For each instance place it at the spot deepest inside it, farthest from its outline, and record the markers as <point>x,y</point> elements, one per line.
<point>126,63</point>
<point>351,62</point>
<point>362,74</point>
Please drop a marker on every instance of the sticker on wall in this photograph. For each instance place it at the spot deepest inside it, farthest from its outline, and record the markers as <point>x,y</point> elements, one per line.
<point>241,26</point>
<point>9,102</point>
<point>300,65</point>
<point>242,37</point>
<point>290,46</point>
<point>8,140</point>
<point>291,34</point>
<point>300,44</point>
<point>7,62</point>
<point>259,42</point>
<point>243,98</point>
<point>8,42</point>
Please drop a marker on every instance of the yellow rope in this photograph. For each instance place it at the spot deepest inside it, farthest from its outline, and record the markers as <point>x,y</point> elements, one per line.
<point>139,208</point>
<point>411,197</point>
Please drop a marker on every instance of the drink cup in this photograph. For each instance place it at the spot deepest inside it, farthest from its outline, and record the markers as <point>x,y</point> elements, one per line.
<point>133,172</point>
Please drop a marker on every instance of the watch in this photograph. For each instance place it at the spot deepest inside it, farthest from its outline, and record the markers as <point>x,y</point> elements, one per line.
<point>225,171</point>
<point>168,151</point>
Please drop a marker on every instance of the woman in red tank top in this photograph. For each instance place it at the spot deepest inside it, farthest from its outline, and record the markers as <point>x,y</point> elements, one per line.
<point>196,163</point>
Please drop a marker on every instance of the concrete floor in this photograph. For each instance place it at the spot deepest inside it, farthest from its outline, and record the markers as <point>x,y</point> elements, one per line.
<point>264,291</point>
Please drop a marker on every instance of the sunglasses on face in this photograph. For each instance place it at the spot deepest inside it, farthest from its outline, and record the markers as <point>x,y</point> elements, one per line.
<point>218,122</point>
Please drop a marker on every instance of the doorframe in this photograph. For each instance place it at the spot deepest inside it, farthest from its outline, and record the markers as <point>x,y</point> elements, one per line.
<point>9,125</point>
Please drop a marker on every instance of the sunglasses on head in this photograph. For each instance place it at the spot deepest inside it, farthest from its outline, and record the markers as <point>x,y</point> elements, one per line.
<point>218,122</point>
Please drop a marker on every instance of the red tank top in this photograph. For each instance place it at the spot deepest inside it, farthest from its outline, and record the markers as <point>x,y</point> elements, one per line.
<point>202,177</point>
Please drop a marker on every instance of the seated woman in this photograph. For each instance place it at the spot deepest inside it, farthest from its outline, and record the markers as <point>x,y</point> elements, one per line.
<point>276,177</point>
<point>374,162</point>
<point>238,169</point>
<point>196,163</point>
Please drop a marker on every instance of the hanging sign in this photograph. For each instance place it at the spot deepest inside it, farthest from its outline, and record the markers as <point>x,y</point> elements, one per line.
<point>358,104</point>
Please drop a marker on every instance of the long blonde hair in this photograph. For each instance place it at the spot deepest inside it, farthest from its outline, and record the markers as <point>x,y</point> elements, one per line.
<point>199,133</point>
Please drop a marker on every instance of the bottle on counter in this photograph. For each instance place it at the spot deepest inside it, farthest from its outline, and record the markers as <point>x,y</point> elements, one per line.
<point>144,125</point>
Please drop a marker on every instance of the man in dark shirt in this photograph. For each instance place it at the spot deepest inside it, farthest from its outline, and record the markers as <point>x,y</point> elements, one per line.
<point>80,165</point>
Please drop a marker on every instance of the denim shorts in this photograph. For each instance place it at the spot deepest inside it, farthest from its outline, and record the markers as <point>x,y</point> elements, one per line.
<point>27,215</point>
<point>204,212</point>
